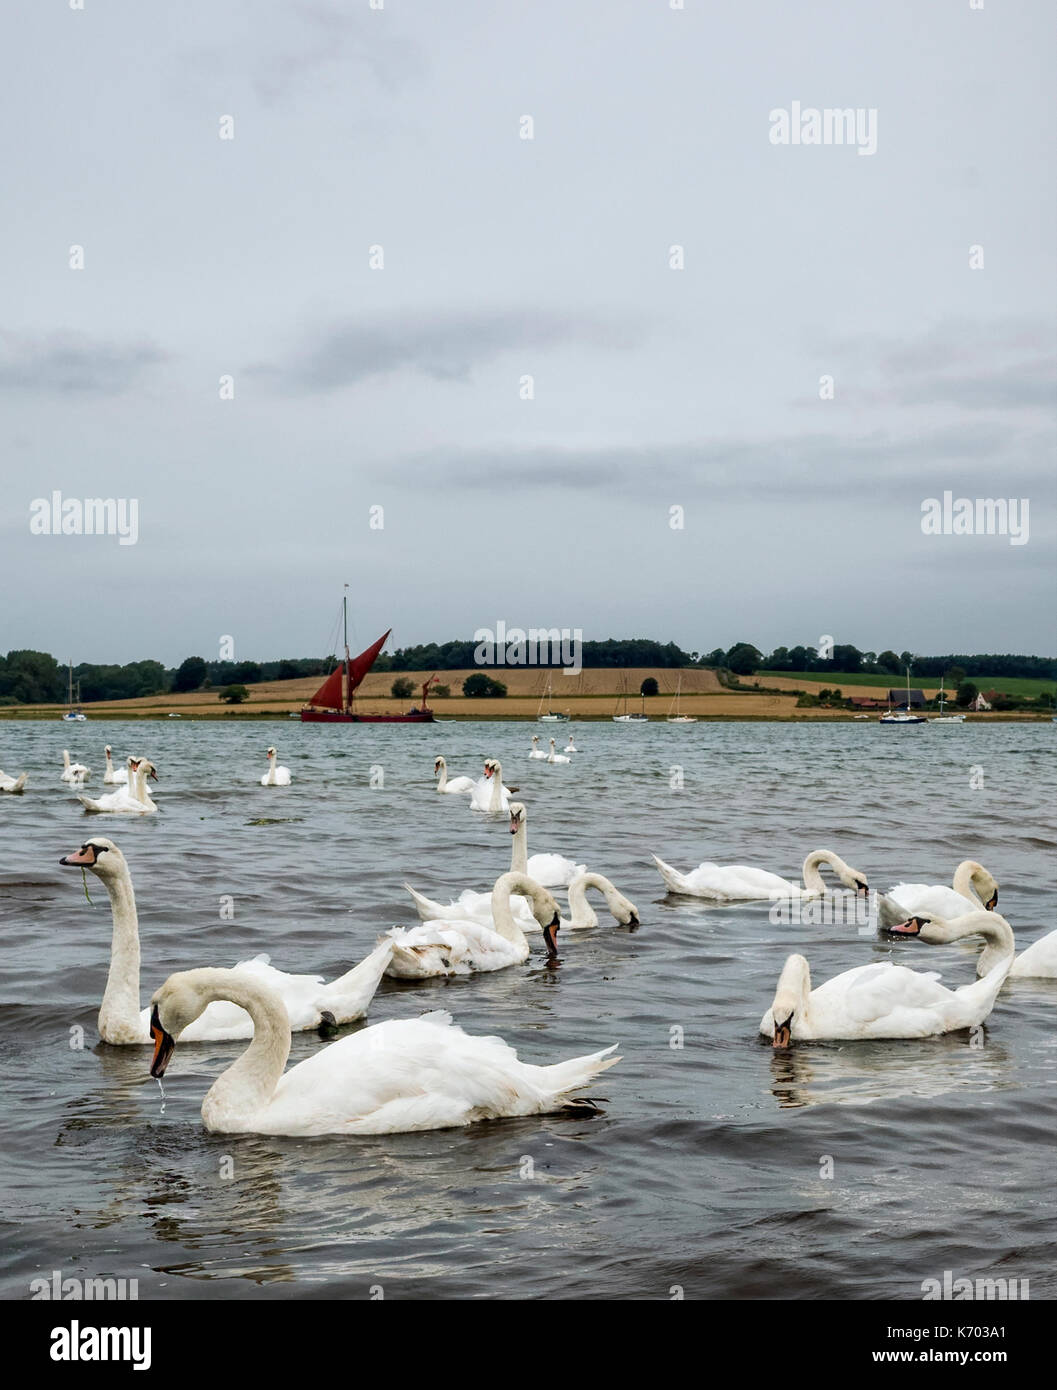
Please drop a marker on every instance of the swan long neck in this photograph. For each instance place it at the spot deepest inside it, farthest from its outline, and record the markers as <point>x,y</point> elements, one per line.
<point>793,995</point>
<point>813,880</point>
<point>502,916</point>
<point>519,848</point>
<point>109,764</point>
<point>250,1082</point>
<point>443,782</point>
<point>496,803</point>
<point>967,876</point>
<point>120,1007</point>
<point>996,931</point>
<point>581,913</point>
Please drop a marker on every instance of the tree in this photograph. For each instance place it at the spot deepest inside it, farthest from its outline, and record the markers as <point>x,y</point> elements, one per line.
<point>234,694</point>
<point>888,661</point>
<point>742,659</point>
<point>648,686</point>
<point>479,685</point>
<point>441,691</point>
<point>967,693</point>
<point>402,688</point>
<point>190,674</point>
<point>954,675</point>
<point>287,671</point>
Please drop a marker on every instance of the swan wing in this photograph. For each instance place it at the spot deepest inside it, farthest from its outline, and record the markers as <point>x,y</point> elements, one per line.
<point>931,899</point>
<point>1039,960</point>
<point>553,870</point>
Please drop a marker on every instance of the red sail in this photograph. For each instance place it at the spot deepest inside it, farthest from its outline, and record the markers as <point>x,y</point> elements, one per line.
<point>360,665</point>
<point>328,696</point>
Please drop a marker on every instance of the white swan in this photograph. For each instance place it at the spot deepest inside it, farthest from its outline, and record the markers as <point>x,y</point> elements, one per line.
<point>735,883</point>
<point>477,907</point>
<point>489,794</point>
<point>73,772</point>
<point>392,1078</point>
<point>275,776</point>
<point>15,785</point>
<point>553,757</point>
<point>974,888</point>
<point>1037,962</point>
<point>536,751</point>
<point>455,784</point>
<point>459,947</point>
<point>133,800</point>
<point>549,870</point>
<point>307,1000</point>
<point>570,747</point>
<point>878,1001</point>
<point>113,774</point>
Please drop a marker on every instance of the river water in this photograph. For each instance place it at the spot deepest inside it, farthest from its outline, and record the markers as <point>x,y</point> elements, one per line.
<point>719,1169</point>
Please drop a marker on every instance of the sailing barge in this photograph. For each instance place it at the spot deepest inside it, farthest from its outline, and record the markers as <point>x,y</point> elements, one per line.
<point>333,702</point>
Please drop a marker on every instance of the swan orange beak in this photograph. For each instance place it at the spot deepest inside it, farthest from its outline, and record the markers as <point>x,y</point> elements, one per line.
<point>911,927</point>
<point>782,1033</point>
<point>85,857</point>
<point>992,901</point>
<point>550,936</point>
<point>164,1045</point>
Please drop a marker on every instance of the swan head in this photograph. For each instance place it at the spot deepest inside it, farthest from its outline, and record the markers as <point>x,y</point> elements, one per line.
<point>174,1007</point>
<point>108,750</point>
<point>517,816</point>
<point>143,765</point>
<point>272,753</point>
<point>794,984</point>
<point>936,931</point>
<point>491,766</point>
<point>100,855</point>
<point>985,886</point>
<point>438,764</point>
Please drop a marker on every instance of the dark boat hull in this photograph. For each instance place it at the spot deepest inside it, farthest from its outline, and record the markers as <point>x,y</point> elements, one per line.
<point>326,716</point>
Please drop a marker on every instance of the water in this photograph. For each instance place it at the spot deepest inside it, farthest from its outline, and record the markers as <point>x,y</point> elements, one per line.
<point>705,1171</point>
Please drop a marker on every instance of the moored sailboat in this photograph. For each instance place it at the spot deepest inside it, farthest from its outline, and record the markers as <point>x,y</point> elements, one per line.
<point>675,714</point>
<point>333,701</point>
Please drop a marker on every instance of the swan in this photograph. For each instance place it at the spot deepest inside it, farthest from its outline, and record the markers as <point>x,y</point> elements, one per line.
<point>15,785</point>
<point>553,757</point>
<point>73,772</point>
<point>536,751</point>
<point>477,907</point>
<point>113,775</point>
<point>570,747</point>
<point>973,889</point>
<point>880,1000</point>
<point>738,883</point>
<point>308,1001</point>
<point>489,794</point>
<point>457,784</point>
<point>275,776</point>
<point>1037,962</point>
<point>549,870</point>
<point>134,800</point>
<point>392,1078</point>
<point>459,947</point>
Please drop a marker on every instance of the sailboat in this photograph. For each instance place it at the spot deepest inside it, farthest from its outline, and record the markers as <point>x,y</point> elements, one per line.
<point>73,715</point>
<point>625,717</point>
<point>903,716</point>
<point>333,701</point>
<point>552,716</point>
<point>678,717</point>
<point>942,718</point>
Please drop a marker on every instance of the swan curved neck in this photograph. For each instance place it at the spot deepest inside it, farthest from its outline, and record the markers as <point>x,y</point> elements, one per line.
<point>999,942</point>
<point>965,881</point>
<point>793,995</point>
<point>119,1010</point>
<point>502,916</point>
<point>581,911</point>
<point>443,778</point>
<point>813,879</point>
<point>496,803</point>
<point>250,1082</point>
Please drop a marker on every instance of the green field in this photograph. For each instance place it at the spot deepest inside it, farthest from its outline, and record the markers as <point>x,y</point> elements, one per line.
<point>843,680</point>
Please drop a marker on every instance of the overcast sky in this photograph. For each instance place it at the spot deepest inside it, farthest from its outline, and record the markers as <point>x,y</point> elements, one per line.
<point>507,257</point>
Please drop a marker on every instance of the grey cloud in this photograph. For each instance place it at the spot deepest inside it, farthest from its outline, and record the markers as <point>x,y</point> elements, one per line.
<point>73,364</point>
<point>446,348</point>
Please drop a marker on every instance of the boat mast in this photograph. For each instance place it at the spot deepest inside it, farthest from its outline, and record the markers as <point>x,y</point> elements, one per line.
<point>69,687</point>
<point>347,702</point>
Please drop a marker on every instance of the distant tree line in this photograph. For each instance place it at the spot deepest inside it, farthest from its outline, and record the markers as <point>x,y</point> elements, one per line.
<point>30,677</point>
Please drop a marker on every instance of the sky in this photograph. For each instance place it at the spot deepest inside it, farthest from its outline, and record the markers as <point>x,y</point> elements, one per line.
<point>700,389</point>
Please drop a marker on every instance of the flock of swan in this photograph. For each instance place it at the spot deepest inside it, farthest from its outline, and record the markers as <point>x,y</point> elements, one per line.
<point>427,1073</point>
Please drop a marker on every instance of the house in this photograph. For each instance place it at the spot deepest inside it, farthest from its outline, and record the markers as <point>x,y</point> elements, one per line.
<point>913,699</point>
<point>861,702</point>
<point>980,703</point>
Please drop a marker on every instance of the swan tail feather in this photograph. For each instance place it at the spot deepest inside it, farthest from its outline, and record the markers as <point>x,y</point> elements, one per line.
<point>672,877</point>
<point>564,1077</point>
<point>428,910</point>
<point>349,996</point>
<point>20,782</point>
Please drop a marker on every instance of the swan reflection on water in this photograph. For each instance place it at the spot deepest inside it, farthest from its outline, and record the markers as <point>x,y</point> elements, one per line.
<point>860,1073</point>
